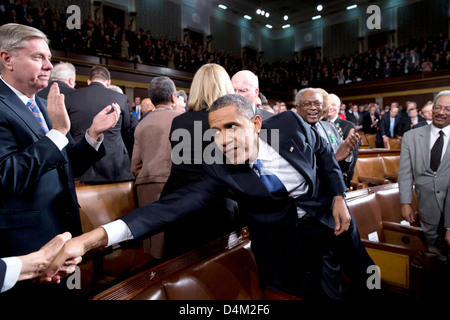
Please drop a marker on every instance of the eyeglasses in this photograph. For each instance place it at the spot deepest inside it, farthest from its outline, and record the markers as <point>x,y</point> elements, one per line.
<point>438,108</point>
<point>309,104</point>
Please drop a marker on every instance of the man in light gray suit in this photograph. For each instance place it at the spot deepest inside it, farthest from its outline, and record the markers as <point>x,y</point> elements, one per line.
<point>430,179</point>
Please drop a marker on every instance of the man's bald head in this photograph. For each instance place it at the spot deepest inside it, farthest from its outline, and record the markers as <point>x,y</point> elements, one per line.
<point>246,84</point>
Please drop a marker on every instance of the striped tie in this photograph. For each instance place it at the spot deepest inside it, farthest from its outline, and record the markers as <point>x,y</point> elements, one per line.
<point>37,113</point>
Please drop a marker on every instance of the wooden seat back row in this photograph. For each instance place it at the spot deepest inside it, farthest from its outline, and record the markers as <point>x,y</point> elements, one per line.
<point>224,269</point>
<point>399,251</point>
<point>375,170</point>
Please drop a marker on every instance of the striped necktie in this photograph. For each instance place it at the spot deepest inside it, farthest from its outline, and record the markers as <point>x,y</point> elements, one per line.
<point>271,181</point>
<point>37,113</point>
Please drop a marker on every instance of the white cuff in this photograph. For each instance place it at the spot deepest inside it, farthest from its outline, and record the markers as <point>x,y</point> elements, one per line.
<point>94,143</point>
<point>58,138</point>
<point>117,232</point>
<point>13,268</point>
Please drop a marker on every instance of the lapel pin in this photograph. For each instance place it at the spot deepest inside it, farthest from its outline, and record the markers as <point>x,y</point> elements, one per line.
<point>291,149</point>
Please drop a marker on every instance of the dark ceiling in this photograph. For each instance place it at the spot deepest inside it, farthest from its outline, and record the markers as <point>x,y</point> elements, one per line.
<point>297,11</point>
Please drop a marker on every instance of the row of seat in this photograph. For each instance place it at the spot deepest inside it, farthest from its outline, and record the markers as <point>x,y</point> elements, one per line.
<point>399,250</point>
<point>375,170</point>
<point>369,141</point>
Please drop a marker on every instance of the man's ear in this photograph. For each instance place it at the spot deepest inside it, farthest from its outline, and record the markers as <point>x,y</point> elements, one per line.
<point>88,82</point>
<point>6,60</point>
<point>257,122</point>
<point>108,83</point>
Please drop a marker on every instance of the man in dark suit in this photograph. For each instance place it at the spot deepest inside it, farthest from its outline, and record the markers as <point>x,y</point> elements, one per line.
<point>390,126</point>
<point>246,84</point>
<point>82,105</point>
<point>38,157</point>
<point>344,128</point>
<point>300,227</point>
<point>371,120</point>
<point>64,74</point>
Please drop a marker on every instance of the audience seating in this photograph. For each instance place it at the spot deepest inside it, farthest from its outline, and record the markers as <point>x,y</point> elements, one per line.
<point>376,170</point>
<point>399,250</point>
<point>368,140</point>
<point>100,204</point>
<point>224,269</point>
<point>393,143</point>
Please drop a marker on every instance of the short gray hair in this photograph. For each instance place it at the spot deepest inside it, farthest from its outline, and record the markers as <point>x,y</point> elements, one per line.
<point>440,94</point>
<point>14,37</point>
<point>300,93</point>
<point>63,71</point>
<point>242,104</point>
<point>160,90</point>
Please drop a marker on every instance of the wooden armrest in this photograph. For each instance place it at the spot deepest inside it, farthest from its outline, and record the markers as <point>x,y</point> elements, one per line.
<point>392,177</point>
<point>394,226</point>
<point>373,179</point>
<point>356,185</point>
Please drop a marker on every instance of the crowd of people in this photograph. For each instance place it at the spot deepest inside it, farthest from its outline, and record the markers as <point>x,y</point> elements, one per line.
<point>108,38</point>
<point>290,192</point>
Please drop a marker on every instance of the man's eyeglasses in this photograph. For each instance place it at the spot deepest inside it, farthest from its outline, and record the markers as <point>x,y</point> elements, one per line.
<point>438,108</point>
<point>309,104</point>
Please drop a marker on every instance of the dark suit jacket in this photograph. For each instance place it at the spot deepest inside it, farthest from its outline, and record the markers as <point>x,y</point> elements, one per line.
<point>270,219</point>
<point>201,226</point>
<point>82,105</point>
<point>385,125</point>
<point>37,197</point>
<point>2,272</point>
<point>263,113</point>
<point>63,88</point>
<point>367,123</point>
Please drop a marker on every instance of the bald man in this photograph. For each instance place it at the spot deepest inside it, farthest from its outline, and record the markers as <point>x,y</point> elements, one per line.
<point>146,107</point>
<point>245,83</point>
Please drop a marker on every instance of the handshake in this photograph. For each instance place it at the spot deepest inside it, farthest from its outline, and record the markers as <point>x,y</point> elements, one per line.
<point>58,257</point>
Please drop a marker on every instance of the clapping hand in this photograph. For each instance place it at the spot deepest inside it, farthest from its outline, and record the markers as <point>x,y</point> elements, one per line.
<point>104,120</point>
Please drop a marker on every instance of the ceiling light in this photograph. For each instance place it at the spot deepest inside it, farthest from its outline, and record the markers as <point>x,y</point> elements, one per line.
<point>286,26</point>
<point>221,6</point>
<point>285,17</point>
<point>258,11</point>
<point>267,14</point>
<point>263,12</point>
<point>316,17</point>
<point>352,7</point>
<point>268,26</point>
<point>319,7</point>
<point>247,17</point>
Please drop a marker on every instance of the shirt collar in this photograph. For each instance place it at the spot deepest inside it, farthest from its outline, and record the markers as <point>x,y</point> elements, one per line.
<point>334,119</point>
<point>19,94</point>
<point>435,130</point>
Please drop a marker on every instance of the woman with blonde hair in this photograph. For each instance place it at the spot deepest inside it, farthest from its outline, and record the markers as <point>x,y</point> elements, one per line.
<point>188,141</point>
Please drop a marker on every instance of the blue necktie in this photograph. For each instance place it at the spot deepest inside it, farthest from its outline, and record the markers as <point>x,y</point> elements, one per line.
<point>37,113</point>
<point>272,182</point>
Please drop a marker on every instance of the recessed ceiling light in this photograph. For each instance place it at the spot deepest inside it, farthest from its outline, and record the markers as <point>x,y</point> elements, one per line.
<point>258,11</point>
<point>352,7</point>
<point>221,6</point>
<point>247,17</point>
<point>263,12</point>
<point>285,17</point>
<point>319,7</point>
<point>316,17</point>
<point>267,14</point>
<point>268,26</point>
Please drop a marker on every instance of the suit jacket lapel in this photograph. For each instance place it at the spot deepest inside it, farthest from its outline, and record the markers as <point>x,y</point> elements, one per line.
<point>15,105</point>
<point>424,142</point>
